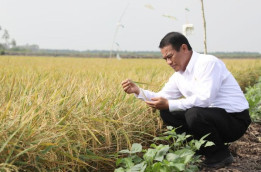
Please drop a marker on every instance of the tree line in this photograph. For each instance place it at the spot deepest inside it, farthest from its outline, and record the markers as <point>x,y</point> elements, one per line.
<point>6,42</point>
<point>34,50</point>
<point>9,46</point>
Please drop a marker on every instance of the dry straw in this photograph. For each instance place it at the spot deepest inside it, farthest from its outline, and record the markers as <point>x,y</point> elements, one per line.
<point>71,114</point>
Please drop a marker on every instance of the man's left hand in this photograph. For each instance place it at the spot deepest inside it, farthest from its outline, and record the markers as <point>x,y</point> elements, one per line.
<point>158,103</point>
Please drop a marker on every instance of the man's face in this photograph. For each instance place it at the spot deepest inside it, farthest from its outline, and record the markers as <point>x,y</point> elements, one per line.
<point>176,59</point>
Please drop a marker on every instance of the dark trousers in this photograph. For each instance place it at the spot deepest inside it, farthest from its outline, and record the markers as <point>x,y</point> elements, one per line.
<point>223,127</point>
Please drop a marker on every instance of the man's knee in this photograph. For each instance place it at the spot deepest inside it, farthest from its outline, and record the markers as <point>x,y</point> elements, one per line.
<point>164,115</point>
<point>175,119</point>
<point>194,117</point>
<point>164,112</point>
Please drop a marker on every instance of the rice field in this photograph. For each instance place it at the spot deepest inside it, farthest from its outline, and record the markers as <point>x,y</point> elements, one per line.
<point>70,114</point>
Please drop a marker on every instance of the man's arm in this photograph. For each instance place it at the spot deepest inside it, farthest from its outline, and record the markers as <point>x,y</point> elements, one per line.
<point>208,80</point>
<point>156,100</point>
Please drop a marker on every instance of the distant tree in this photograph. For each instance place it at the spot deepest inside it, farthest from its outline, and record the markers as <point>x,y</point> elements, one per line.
<point>33,47</point>
<point>1,46</point>
<point>6,37</point>
<point>0,41</point>
<point>13,43</point>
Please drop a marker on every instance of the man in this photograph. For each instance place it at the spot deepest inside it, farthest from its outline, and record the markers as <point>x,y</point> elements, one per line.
<point>202,96</point>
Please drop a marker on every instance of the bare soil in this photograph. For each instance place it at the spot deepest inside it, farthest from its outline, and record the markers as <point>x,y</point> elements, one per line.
<point>246,152</point>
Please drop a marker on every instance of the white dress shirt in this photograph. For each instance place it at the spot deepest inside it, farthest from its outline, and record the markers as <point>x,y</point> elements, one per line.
<point>206,82</point>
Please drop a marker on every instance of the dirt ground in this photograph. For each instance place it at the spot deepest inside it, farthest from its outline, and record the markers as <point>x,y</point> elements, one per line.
<point>246,152</point>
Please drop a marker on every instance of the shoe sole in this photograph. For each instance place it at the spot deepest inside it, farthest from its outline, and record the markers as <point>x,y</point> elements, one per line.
<point>229,160</point>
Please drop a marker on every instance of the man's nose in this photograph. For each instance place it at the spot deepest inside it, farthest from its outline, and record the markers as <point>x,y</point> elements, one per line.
<point>169,61</point>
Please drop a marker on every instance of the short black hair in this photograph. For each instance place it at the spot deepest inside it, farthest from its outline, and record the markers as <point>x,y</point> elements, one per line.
<point>175,39</point>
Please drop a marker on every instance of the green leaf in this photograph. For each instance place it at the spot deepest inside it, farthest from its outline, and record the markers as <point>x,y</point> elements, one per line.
<point>125,151</point>
<point>171,157</point>
<point>192,168</point>
<point>164,169</point>
<point>149,155</point>
<point>162,138</point>
<point>188,136</point>
<point>188,157</point>
<point>139,167</point>
<point>185,154</point>
<point>169,127</point>
<point>125,162</point>
<point>136,147</point>
<point>159,167</point>
<point>197,144</point>
<point>162,150</point>
<point>119,161</point>
<point>128,162</point>
<point>119,170</point>
<point>178,166</point>
<point>156,166</point>
<point>153,145</point>
<point>136,159</point>
<point>202,138</point>
<point>209,143</point>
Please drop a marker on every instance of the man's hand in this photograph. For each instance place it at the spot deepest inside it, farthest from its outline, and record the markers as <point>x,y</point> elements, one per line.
<point>158,103</point>
<point>129,87</point>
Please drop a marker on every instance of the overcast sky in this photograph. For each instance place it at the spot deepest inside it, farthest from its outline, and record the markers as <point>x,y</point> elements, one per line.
<point>232,25</point>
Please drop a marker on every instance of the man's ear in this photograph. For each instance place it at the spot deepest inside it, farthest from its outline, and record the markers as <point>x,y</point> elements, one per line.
<point>184,48</point>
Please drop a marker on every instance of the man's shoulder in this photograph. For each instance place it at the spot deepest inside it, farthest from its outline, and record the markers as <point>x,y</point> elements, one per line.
<point>209,61</point>
<point>207,58</point>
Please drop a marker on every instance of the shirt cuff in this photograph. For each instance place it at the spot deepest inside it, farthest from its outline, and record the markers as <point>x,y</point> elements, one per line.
<point>139,96</point>
<point>175,105</point>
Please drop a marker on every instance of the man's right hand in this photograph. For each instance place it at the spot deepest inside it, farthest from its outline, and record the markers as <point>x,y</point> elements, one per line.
<point>129,87</point>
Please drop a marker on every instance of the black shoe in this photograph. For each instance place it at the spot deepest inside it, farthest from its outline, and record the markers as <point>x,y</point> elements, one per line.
<point>212,163</point>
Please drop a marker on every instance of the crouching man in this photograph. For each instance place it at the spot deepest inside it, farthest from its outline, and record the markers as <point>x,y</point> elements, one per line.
<point>202,96</point>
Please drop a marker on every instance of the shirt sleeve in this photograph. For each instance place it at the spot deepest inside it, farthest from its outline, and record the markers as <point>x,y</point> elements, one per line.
<point>169,91</point>
<point>208,79</point>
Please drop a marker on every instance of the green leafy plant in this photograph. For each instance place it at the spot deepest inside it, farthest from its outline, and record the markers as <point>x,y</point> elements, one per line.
<point>253,96</point>
<point>178,155</point>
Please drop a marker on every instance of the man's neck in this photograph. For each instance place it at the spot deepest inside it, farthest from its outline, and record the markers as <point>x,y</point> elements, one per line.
<point>188,59</point>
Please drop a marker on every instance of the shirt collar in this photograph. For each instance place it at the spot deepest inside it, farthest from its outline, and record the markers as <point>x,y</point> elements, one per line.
<point>192,62</point>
